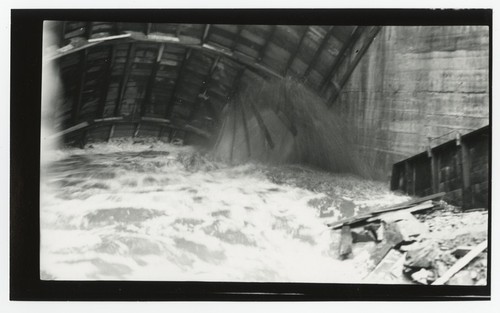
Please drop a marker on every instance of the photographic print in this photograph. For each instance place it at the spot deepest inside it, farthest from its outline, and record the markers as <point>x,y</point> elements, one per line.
<point>337,153</point>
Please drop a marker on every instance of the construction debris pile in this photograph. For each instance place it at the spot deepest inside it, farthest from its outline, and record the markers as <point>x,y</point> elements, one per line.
<point>421,241</point>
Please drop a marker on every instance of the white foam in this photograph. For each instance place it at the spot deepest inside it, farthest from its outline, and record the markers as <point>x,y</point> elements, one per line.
<point>227,224</point>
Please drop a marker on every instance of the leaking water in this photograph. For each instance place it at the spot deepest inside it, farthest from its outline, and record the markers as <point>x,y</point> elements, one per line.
<point>161,212</point>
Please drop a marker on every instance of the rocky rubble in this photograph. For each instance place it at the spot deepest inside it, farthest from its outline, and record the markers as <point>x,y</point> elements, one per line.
<point>422,246</point>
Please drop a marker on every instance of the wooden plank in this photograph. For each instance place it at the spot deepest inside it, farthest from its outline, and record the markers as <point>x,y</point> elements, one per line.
<point>233,138</point>
<point>434,171</point>
<point>197,130</point>
<point>345,247</point>
<point>284,119</point>
<point>245,129</point>
<point>88,30</point>
<point>262,125</point>
<point>352,65</point>
<point>77,104</point>
<point>268,39</point>
<point>221,132</point>
<point>236,37</point>
<point>206,32</point>
<point>126,74</point>
<point>155,119</point>
<point>204,88</point>
<point>408,178</point>
<point>296,51</point>
<point>410,203</point>
<point>379,252</point>
<point>414,179</point>
<point>68,49</point>
<point>170,103</point>
<point>389,269</point>
<point>108,119</point>
<point>232,94</point>
<point>341,56</point>
<point>106,82</point>
<point>152,80</point>
<point>69,130</point>
<point>107,38</point>
<point>111,132</point>
<point>136,130</point>
<point>461,263</point>
<point>395,177</point>
<point>365,217</point>
<point>318,52</point>
<point>169,40</point>
<point>466,181</point>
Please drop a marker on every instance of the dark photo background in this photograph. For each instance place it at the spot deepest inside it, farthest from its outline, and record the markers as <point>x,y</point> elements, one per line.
<point>26,60</point>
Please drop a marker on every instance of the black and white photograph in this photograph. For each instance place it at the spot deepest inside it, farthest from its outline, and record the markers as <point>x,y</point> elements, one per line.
<point>248,152</point>
<point>262,153</point>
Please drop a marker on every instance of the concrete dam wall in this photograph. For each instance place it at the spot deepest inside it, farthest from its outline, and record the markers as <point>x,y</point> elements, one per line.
<point>413,83</point>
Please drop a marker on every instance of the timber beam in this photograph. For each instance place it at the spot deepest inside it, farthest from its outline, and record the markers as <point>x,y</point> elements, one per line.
<point>168,40</point>
<point>297,49</point>
<point>126,74</point>
<point>340,79</point>
<point>318,52</point>
<point>341,56</point>
<point>203,90</point>
<point>171,104</point>
<point>77,104</point>
<point>269,37</point>
<point>151,80</point>
<point>106,82</point>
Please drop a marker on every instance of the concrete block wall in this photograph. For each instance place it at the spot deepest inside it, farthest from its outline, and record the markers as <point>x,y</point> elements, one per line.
<point>416,82</point>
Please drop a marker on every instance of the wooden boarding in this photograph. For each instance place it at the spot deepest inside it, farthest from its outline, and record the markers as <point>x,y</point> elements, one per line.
<point>345,247</point>
<point>461,263</point>
<point>69,130</point>
<point>407,204</point>
<point>401,206</point>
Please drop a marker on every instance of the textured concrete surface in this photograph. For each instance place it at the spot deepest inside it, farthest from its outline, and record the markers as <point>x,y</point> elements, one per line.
<point>416,82</point>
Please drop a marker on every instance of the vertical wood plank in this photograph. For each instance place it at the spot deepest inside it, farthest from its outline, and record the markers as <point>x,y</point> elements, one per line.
<point>106,82</point>
<point>466,168</point>
<point>171,104</point>
<point>318,52</point>
<point>247,133</point>
<point>434,172</point>
<point>151,81</point>
<point>296,51</point>
<point>75,112</point>
<point>345,247</point>
<point>124,81</point>
<point>340,57</point>
<point>266,43</point>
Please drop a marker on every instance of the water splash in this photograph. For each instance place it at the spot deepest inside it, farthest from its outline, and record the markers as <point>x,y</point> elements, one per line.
<point>284,122</point>
<point>163,212</point>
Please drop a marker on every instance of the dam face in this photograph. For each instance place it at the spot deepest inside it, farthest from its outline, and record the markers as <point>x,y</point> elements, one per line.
<point>200,152</point>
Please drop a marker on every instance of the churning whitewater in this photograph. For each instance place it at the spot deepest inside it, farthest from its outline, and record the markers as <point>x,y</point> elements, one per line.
<point>156,211</point>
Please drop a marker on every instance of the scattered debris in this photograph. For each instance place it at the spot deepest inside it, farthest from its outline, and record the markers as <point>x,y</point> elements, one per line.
<point>422,256</point>
<point>461,263</point>
<point>420,241</point>
<point>423,276</point>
